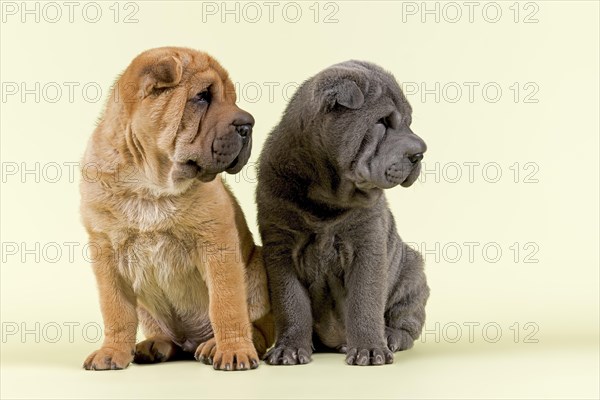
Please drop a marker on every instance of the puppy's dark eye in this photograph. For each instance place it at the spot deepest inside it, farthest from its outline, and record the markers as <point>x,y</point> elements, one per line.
<point>383,121</point>
<point>203,97</point>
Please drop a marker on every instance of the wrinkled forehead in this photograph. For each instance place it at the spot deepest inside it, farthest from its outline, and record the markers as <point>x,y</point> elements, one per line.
<point>203,72</point>
<point>389,88</point>
<point>382,85</point>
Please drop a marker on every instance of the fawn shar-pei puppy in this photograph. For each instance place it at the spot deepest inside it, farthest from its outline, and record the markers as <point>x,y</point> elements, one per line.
<point>172,250</point>
<point>336,265</point>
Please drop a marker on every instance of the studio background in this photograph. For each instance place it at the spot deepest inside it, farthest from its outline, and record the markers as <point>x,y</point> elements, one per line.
<point>506,211</point>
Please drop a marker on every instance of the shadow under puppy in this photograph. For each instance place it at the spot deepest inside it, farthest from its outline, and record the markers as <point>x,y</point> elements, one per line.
<point>171,248</point>
<point>336,265</point>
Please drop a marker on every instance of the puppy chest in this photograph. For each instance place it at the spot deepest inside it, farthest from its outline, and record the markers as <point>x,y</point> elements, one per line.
<point>145,214</point>
<point>322,253</point>
<point>158,261</point>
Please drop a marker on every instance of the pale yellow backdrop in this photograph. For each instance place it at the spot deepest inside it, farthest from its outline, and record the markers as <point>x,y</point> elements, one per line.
<point>504,93</point>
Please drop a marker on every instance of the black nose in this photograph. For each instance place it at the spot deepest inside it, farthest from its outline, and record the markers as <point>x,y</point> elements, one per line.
<point>415,157</point>
<point>244,130</point>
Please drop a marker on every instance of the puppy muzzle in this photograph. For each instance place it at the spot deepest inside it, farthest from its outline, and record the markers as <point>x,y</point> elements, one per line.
<point>226,150</point>
<point>229,152</point>
<point>403,173</point>
<point>406,171</point>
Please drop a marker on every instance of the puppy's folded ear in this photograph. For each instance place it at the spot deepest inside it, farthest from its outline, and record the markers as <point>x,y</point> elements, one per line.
<point>164,73</point>
<point>344,92</point>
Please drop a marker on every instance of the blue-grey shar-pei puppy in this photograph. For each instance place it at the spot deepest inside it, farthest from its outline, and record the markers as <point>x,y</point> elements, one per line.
<point>340,276</point>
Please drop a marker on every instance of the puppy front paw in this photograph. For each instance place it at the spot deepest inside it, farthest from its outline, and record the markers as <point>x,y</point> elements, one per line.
<point>286,355</point>
<point>108,358</point>
<point>372,356</point>
<point>227,358</point>
<point>206,351</point>
<point>398,339</point>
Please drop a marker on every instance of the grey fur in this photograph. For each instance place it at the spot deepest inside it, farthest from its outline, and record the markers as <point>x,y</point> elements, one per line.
<point>339,274</point>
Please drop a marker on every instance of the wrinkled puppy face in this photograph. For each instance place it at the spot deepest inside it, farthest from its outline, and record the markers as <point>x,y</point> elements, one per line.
<point>184,121</point>
<point>365,121</point>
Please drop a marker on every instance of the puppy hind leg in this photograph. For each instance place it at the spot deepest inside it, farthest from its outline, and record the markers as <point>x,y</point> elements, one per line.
<point>157,347</point>
<point>405,317</point>
<point>404,321</point>
<point>263,324</point>
<point>263,334</point>
<point>398,339</point>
